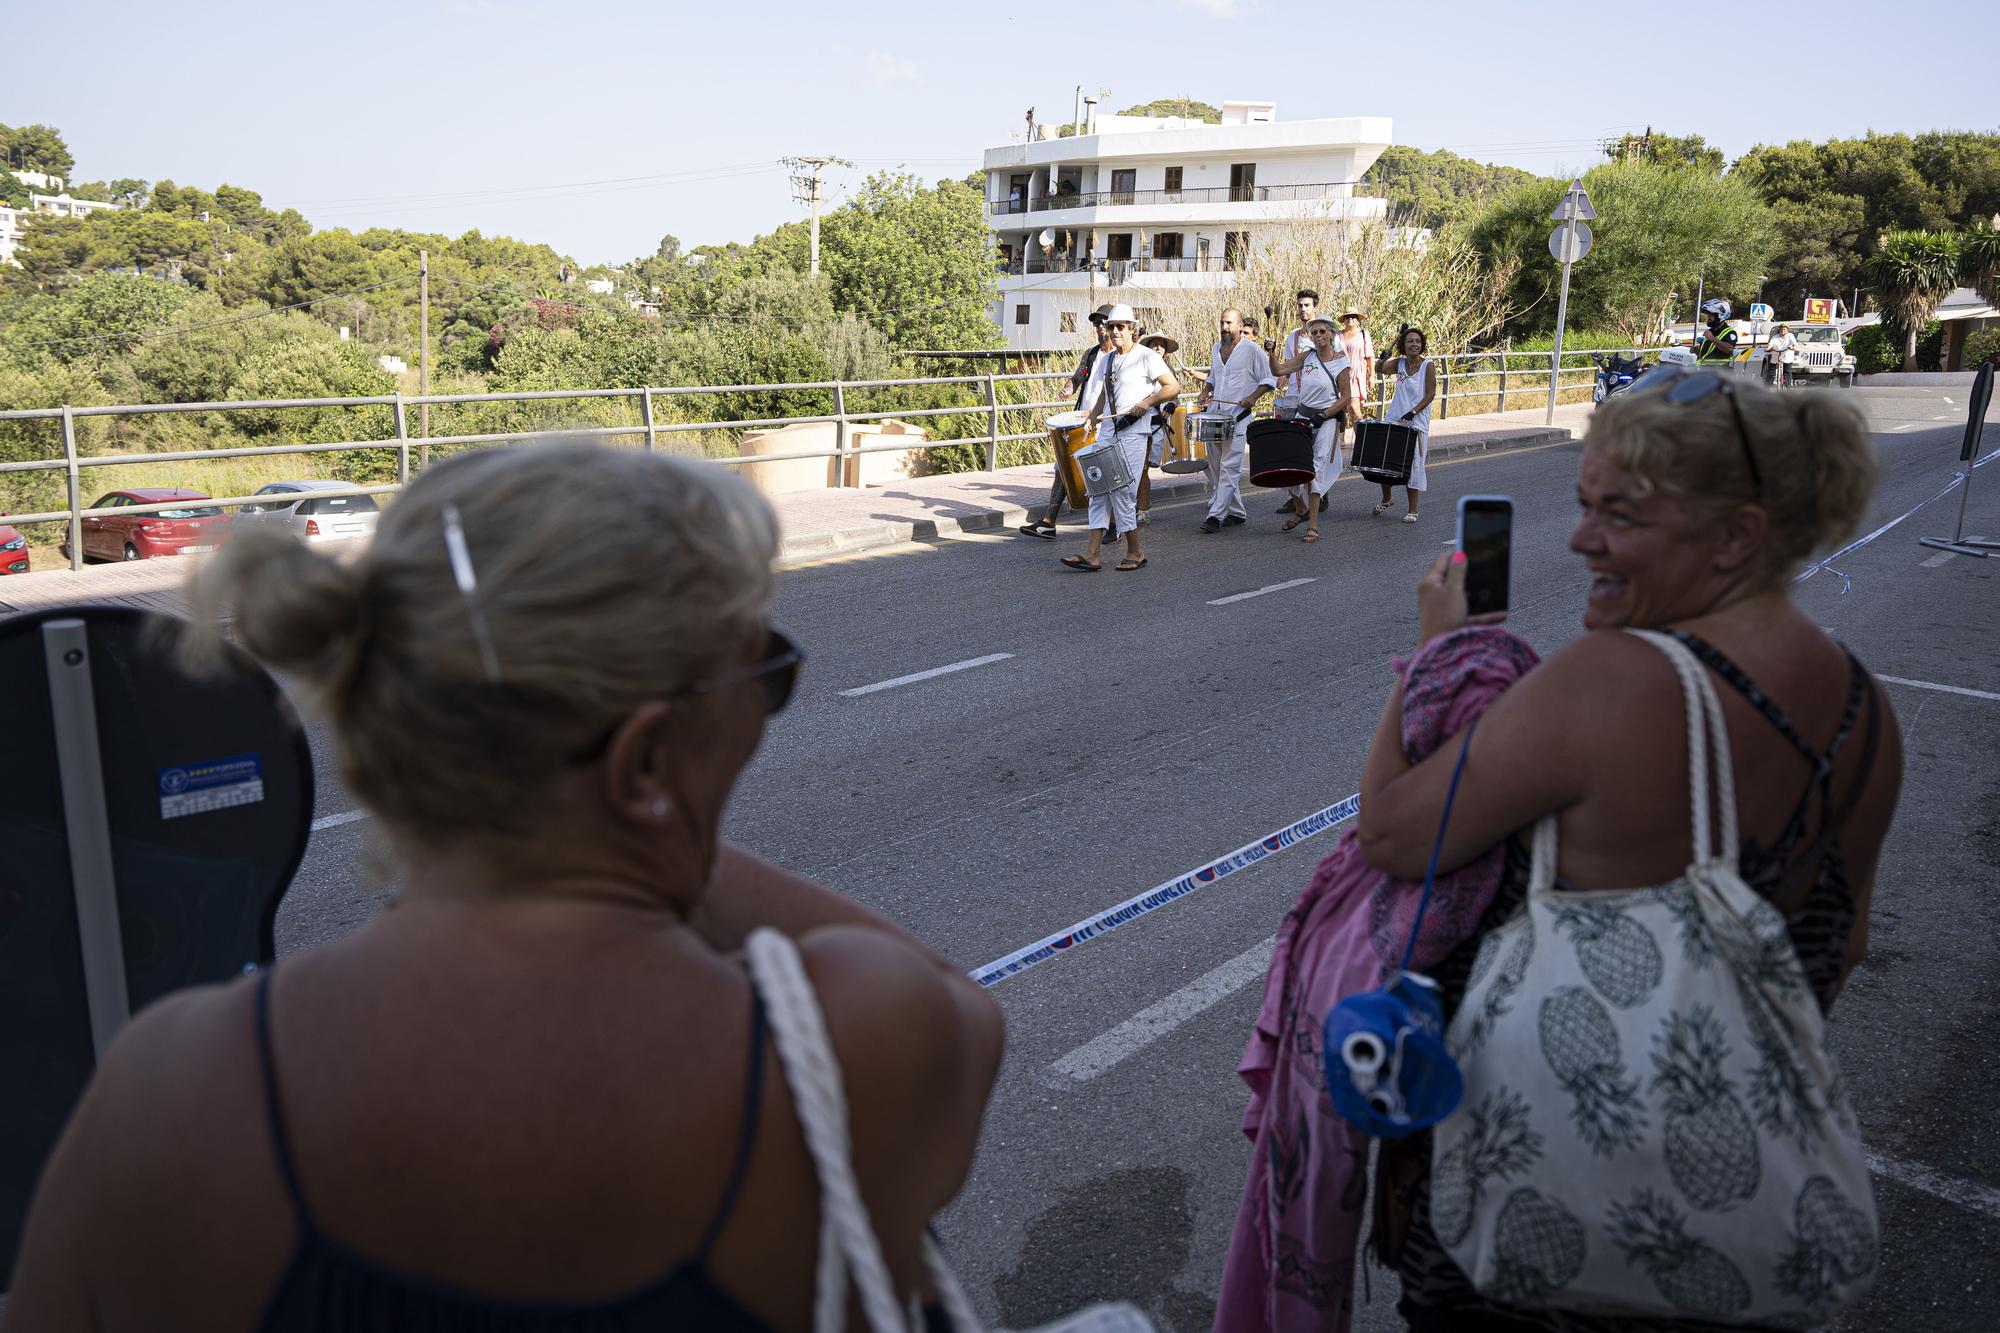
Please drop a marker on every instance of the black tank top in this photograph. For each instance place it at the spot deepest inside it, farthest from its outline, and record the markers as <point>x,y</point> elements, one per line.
<point>328,1288</point>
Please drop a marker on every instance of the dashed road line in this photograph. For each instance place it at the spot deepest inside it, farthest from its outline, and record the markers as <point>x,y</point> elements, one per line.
<point>1941,689</point>
<point>335,821</point>
<point>934,672</point>
<point>1147,1026</point>
<point>1966,1194</point>
<point>1259,592</point>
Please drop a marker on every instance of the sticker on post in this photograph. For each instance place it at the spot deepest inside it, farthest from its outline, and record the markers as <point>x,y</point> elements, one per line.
<point>219,784</point>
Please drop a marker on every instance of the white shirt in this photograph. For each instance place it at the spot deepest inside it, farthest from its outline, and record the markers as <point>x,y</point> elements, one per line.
<point>1235,379</point>
<point>1135,376</point>
<point>1779,350</point>
<point>1319,384</point>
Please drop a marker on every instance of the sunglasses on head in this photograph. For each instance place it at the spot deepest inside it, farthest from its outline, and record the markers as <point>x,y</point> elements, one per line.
<point>1693,386</point>
<point>778,669</point>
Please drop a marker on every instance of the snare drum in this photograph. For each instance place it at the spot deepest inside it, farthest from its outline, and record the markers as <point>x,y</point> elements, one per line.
<point>1384,451</point>
<point>1215,428</point>
<point>1184,453</point>
<point>1066,436</point>
<point>1103,468</point>
<point>1281,453</point>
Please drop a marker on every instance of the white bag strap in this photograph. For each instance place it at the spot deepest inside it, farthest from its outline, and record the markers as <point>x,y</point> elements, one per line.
<point>847,1237</point>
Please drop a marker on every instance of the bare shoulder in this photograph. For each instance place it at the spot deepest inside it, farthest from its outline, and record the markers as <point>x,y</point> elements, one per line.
<point>164,1079</point>
<point>887,1005</point>
<point>1600,672</point>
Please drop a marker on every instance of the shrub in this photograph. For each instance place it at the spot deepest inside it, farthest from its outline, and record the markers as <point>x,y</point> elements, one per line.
<point>1876,349</point>
<point>1980,345</point>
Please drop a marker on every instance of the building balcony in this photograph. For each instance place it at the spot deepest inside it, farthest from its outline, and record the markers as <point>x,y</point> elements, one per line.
<point>1219,201</point>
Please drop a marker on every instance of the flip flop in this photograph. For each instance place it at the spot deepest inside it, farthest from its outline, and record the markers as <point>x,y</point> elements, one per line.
<point>1127,565</point>
<point>1291,523</point>
<point>1383,507</point>
<point>1046,531</point>
<point>1312,535</point>
<point>1409,518</point>
<point>1077,562</point>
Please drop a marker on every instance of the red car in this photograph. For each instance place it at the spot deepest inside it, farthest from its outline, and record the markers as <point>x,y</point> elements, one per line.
<point>192,529</point>
<point>13,550</point>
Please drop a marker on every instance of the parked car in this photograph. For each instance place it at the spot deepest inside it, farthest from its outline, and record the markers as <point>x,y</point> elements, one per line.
<point>304,508</point>
<point>190,529</point>
<point>13,550</point>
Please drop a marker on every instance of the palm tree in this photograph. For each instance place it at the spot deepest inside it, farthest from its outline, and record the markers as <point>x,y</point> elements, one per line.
<point>1979,252</point>
<point>1914,271</point>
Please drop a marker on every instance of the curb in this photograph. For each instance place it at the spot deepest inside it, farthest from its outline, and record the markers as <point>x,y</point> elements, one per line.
<point>880,533</point>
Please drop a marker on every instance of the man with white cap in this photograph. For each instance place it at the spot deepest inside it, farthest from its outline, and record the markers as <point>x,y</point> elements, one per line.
<point>1126,384</point>
<point>1238,375</point>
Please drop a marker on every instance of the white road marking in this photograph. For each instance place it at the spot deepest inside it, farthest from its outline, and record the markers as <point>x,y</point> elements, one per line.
<point>1147,1026</point>
<point>335,821</point>
<point>916,676</point>
<point>1939,559</point>
<point>1966,1194</point>
<point>1272,587</point>
<point>1942,689</point>
<point>1910,425</point>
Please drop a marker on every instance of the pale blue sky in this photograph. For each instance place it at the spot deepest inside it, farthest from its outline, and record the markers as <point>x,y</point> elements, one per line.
<point>447,115</point>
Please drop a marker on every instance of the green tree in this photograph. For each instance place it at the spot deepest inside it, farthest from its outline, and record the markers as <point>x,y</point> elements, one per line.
<point>1185,107</point>
<point>13,190</point>
<point>916,262</point>
<point>36,148</point>
<point>1914,271</point>
<point>91,321</point>
<point>1439,188</point>
<point>1979,252</point>
<point>1668,150</point>
<point>1657,229</point>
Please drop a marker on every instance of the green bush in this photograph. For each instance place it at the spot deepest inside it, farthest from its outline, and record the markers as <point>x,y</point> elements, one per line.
<point>1979,346</point>
<point>1875,349</point>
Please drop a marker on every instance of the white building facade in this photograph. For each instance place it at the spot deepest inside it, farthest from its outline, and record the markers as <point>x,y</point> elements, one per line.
<point>1138,203</point>
<point>13,221</point>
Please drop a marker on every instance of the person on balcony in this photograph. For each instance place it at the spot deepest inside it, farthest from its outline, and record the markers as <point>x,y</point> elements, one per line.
<point>1238,375</point>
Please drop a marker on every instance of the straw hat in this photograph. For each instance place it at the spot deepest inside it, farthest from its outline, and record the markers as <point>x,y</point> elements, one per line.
<point>1161,343</point>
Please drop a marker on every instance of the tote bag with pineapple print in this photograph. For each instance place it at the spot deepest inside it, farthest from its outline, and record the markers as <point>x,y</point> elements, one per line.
<point>1652,1123</point>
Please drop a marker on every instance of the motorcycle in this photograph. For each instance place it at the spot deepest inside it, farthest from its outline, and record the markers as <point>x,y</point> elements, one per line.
<point>1615,374</point>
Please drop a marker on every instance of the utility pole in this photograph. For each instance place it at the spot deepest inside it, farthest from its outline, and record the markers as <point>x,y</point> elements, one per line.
<point>806,190</point>
<point>424,355</point>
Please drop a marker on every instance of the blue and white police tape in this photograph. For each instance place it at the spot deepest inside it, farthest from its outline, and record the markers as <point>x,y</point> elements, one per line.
<point>1159,896</point>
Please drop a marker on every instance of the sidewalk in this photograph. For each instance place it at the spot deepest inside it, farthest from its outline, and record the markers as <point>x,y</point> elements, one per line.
<point>816,524</point>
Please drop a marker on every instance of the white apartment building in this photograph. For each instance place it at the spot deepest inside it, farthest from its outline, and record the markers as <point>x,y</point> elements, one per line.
<point>60,205</point>
<point>1139,202</point>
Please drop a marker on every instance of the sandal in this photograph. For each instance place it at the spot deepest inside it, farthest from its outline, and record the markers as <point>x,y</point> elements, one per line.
<point>1291,523</point>
<point>1383,507</point>
<point>1409,518</point>
<point>1312,535</point>
<point>1046,531</point>
<point>1128,564</point>
<point>1079,563</point>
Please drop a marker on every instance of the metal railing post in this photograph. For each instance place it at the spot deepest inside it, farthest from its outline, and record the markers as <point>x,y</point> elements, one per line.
<point>402,444</point>
<point>646,416</point>
<point>75,490</point>
<point>1505,348</point>
<point>840,436</point>
<point>992,426</point>
<point>1444,390</point>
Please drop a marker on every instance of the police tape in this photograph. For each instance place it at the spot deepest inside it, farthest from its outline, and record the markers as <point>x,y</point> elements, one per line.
<point>1153,899</point>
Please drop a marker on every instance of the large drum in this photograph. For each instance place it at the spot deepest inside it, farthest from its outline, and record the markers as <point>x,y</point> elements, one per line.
<point>1066,436</point>
<point>1281,453</point>
<point>1103,468</point>
<point>1385,450</point>
<point>1183,453</point>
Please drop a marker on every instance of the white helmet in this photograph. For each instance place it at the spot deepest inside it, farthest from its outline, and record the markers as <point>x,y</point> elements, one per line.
<point>1677,356</point>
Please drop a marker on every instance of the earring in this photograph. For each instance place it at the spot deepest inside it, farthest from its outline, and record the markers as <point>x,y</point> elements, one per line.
<point>660,808</point>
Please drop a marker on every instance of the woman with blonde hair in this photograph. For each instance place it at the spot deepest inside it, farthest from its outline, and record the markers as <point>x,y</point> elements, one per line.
<point>537,1092</point>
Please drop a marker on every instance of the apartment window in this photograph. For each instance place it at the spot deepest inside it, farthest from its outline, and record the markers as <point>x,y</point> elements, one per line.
<point>1173,179</point>
<point>1118,245</point>
<point>1122,183</point>
<point>1236,250</point>
<point>1020,314</point>
<point>1167,245</point>
<point>1067,321</point>
<point>1242,181</point>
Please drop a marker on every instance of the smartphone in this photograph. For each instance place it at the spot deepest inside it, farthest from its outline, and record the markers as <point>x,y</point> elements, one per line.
<point>1486,538</point>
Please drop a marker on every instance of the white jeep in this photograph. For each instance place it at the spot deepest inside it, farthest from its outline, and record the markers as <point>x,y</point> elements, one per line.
<point>1821,357</point>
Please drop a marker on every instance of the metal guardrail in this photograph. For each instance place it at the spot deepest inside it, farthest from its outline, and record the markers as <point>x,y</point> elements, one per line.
<point>1476,368</point>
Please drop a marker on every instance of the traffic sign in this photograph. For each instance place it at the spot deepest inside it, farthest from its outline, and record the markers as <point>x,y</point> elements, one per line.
<point>1570,242</point>
<point>1760,313</point>
<point>1575,204</point>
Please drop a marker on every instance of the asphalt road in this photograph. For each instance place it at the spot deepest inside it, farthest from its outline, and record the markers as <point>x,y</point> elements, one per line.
<point>1135,729</point>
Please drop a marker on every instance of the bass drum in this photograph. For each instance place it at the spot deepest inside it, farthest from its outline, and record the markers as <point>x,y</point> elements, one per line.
<point>1066,436</point>
<point>1384,451</point>
<point>1184,453</point>
<point>1281,453</point>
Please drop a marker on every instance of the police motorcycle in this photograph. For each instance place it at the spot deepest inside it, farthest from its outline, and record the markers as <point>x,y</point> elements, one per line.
<point>1615,374</point>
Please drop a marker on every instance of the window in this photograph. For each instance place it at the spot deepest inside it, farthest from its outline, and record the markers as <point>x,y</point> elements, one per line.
<point>1167,245</point>
<point>1173,180</point>
<point>1118,245</point>
<point>1020,314</point>
<point>339,504</point>
<point>1121,185</point>
<point>1242,181</point>
<point>1236,250</point>
<point>1067,323</point>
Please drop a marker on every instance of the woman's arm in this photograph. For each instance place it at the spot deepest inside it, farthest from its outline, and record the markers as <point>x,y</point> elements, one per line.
<point>1430,389</point>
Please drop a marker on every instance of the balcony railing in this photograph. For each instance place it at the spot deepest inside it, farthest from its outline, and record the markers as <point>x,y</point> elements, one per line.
<point>1219,194</point>
<point>1117,270</point>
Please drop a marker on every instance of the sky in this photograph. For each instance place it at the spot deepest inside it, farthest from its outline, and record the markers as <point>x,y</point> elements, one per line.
<point>598,126</point>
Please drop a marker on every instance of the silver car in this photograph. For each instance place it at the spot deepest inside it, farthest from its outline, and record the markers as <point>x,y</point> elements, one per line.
<point>305,509</point>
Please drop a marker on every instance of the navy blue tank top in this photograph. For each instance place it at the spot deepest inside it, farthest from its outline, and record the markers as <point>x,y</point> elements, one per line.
<point>328,1288</point>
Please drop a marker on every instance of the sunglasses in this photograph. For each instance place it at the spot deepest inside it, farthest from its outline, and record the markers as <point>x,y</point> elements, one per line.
<point>1692,387</point>
<point>779,670</point>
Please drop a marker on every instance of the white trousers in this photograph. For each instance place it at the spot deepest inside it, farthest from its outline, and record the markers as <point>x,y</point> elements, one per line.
<point>1119,511</point>
<point>1226,473</point>
<point>1326,459</point>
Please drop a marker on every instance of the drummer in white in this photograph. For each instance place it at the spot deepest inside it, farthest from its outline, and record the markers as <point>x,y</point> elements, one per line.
<point>1238,375</point>
<point>1416,386</point>
<point>1326,389</point>
<point>1126,384</point>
